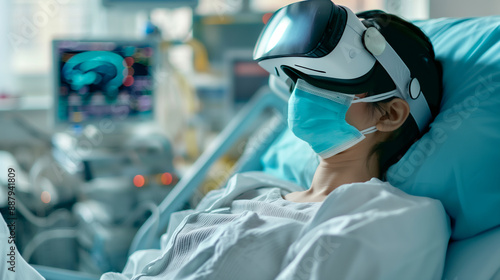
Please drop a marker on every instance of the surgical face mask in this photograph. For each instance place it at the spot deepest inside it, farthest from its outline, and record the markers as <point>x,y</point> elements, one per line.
<point>317,116</point>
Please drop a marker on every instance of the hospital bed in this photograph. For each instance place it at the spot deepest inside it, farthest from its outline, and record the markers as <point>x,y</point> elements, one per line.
<point>454,162</point>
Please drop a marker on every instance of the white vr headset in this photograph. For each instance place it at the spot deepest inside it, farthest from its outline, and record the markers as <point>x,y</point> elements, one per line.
<point>328,42</point>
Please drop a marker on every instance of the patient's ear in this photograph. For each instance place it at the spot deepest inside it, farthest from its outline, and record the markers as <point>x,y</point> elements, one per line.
<point>394,114</point>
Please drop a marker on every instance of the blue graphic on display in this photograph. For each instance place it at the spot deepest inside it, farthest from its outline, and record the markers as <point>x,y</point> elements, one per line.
<point>101,68</point>
<point>104,79</point>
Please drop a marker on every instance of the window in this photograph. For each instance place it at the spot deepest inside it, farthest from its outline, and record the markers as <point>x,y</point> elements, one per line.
<point>35,23</point>
<point>30,26</point>
<point>409,9</point>
<point>355,5</point>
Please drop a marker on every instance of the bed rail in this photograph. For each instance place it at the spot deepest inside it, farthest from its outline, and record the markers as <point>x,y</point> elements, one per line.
<point>148,236</point>
<point>51,273</point>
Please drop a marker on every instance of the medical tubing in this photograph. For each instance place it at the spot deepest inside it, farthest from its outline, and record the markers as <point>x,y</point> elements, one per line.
<point>57,215</point>
<point>35,171</point>
<point>44,236</point>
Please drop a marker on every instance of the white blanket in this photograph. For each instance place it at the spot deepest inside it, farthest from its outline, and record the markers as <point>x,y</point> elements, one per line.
<point>365,230</point>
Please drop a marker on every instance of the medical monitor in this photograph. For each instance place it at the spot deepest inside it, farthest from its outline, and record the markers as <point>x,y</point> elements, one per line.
<point>246,77</point>
<point>226,32</point>
<point>96,79</point>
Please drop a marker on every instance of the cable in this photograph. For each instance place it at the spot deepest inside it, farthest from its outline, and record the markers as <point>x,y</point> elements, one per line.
<point>60,214</point>
<point>36,179</point>
<point>44,236</point>
<point>37,168</point>
<point>57,215</point>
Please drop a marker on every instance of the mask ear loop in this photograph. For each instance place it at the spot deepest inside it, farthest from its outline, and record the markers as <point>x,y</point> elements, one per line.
<point>369,130</point>
<point>376,98</point>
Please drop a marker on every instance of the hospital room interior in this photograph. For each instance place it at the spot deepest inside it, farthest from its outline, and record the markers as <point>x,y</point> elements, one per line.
<point>128,127</point>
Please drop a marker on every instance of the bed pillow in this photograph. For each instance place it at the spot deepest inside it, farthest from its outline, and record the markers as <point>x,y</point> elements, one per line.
<point>474,258</point>
<point>457,161</point>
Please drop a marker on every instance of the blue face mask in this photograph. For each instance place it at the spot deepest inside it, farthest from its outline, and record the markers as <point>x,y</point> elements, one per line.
<point>317,116</point>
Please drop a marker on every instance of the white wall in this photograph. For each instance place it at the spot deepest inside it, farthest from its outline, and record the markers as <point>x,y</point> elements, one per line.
<point>6,77</point>
<point>463,8</point>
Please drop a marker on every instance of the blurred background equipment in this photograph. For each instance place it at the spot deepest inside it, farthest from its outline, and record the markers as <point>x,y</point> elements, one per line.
<point>221,33</point>
<point>246,77</point>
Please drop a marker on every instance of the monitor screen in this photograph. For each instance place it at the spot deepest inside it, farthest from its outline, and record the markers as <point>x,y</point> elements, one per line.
<point>245,74</point>
<point>248,78</point>
<point>103,79</point>
<point>222,33</point>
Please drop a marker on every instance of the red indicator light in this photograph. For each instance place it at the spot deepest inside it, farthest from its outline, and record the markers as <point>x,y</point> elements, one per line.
<point>129,61</point>
<point>45,197</point>
<point>166,178</point>
<point>129,80</point>
<point>139,181</point>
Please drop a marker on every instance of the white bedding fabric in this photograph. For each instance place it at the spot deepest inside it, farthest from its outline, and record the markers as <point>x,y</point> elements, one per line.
<point>365,230</point>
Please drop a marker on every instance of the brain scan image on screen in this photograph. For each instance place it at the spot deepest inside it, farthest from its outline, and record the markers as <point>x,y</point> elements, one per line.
<point>104,79</point>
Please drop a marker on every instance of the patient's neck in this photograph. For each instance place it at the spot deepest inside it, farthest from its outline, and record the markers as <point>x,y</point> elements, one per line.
<point>351,166</point>
<point>348,167</point>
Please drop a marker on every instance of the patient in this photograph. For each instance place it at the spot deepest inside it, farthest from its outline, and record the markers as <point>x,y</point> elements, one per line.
<point>359,120</point>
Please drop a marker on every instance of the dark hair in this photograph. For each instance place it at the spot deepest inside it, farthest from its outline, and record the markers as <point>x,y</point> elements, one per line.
<point>416,50</point>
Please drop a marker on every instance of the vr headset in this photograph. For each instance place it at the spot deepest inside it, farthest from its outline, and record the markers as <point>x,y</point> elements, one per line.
<point>327,43</point>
